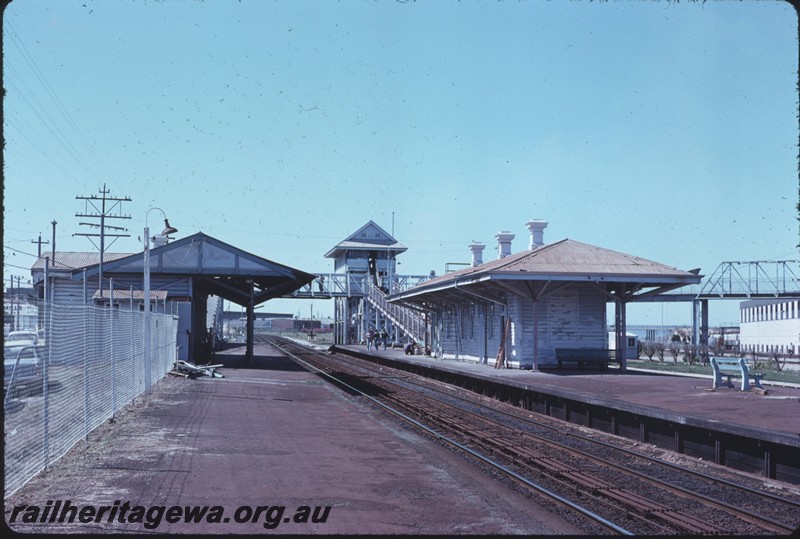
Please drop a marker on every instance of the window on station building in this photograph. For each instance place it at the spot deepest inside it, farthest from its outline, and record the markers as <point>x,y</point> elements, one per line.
<point>473,314</point>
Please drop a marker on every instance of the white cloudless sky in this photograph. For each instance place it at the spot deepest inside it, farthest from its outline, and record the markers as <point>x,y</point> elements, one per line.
<point>664,130</point>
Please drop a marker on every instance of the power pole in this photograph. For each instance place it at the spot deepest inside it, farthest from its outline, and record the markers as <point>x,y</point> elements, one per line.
<point>13,315</point>
<point>40,242</point>
<point>102,212</point>
<point>19,300</point>
<point>53,258</point>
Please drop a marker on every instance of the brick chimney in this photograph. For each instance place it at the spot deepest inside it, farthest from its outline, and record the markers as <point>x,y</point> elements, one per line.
<point>536,226</point>
<point>503,244</point>
<point>477,253</point>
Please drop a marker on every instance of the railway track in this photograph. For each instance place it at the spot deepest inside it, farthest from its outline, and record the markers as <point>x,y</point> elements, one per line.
<point>609,489</point>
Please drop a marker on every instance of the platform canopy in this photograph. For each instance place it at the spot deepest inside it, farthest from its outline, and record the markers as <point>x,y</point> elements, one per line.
<point>547,268</point>
<point>219,268</point>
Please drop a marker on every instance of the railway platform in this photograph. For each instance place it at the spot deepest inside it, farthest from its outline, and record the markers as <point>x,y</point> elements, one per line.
<point>753,431</point>
<point>254,452</point>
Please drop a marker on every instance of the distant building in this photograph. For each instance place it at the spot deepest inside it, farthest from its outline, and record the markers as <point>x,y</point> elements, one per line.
<point>653,333</point>
<point>19,314</point>
<point>294,324</point>
<point>631,344</point>
<point>238,314</point>
<point>666,333</point>
<point>770,325</point>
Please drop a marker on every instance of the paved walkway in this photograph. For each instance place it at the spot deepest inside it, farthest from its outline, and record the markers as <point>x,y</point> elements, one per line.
<point>273,435</point>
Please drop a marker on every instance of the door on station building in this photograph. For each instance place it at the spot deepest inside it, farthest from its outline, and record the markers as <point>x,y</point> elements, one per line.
<point>184,329</point>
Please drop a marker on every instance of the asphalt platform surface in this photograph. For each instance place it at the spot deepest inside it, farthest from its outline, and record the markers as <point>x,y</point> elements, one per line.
<point>257,448</point>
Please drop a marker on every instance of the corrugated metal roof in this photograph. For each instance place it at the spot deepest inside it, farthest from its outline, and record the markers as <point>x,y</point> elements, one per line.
<point>576,258</point>
<point>568,257</point>
<point>369,237</point>
<point>72,260</point>
<point>564,260</point>
<point>225,269</point>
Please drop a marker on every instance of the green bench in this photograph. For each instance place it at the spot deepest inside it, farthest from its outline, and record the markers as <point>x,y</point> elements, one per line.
<point>729,367</point>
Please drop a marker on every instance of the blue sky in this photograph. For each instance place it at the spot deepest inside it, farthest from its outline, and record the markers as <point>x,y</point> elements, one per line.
<point>665,130</point>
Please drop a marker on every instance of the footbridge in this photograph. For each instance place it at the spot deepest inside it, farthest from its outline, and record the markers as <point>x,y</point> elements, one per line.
<point>362,303</point>
<point>736,280</point>
<point>739,280</point>
<point>759,279</point>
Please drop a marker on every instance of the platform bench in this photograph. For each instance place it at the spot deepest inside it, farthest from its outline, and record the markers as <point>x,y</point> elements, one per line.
<point>730,367</point>
<point>599,357</point>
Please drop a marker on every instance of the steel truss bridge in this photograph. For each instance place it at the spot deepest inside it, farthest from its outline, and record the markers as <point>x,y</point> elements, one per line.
<point>743,280</point>
<point>738,280</point>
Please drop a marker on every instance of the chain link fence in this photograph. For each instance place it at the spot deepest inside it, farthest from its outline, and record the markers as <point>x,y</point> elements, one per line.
<point>89,364</point>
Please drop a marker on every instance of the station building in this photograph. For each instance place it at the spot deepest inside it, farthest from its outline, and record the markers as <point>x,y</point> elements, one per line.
<point>526,305</point>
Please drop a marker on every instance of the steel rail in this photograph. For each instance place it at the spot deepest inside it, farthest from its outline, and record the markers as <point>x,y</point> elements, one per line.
<point>496,465</point>
<point>741,513</point>
<point>754,518</point>
<point>744,514</point>
<point>517,416</point>
<point>651,515</point>
<point>567,475</point>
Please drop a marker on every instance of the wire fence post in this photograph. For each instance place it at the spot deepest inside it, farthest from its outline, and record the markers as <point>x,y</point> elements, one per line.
<point>85,364</point>
<point>111,350</point>
<point>45,375</point>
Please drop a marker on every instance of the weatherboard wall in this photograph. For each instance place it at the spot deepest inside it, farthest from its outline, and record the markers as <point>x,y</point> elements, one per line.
<point>574,317</point>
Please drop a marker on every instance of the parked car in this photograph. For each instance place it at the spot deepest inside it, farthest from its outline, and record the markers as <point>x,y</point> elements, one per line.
<point>22,338</point>
<point>22,368</point>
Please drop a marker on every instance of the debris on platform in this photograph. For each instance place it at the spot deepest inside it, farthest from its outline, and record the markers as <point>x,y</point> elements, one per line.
<point>190,370</point>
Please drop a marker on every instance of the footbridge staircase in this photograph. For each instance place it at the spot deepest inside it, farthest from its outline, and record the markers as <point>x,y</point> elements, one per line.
<point>361,304</point>
<point>412,322</point>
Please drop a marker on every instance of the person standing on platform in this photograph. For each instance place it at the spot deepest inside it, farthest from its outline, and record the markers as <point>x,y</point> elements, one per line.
<point>384,338</point>
<point>370,338</point>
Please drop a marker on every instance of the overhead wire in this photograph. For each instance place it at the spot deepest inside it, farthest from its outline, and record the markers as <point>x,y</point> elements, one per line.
<point>33,158</point>
<point>35,161</point>
<point>20,46</point>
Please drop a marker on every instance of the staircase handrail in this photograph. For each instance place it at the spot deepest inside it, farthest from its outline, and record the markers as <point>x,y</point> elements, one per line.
<point>409,320</point>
